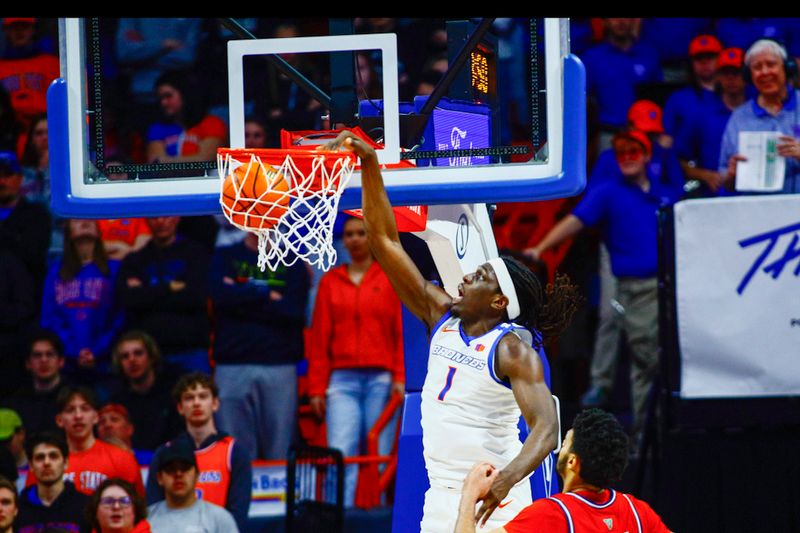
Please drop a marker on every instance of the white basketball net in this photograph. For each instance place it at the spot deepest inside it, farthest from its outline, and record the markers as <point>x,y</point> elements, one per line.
<point>301,227</point>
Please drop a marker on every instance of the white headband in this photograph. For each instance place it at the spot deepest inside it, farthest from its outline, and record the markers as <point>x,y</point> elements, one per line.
<point>506,286</point>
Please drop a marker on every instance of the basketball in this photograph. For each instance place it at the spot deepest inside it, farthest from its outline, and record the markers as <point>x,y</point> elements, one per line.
<point>263,195</point>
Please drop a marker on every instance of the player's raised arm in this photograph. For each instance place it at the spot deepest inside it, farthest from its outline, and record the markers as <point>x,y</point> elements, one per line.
<point>427,301</point>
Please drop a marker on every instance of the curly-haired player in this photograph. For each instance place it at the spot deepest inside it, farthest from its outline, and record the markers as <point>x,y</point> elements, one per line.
<point>484,366</point>
<point>593,457</point>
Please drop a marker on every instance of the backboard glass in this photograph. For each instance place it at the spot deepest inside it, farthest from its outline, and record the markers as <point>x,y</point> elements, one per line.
<point>468,110</point>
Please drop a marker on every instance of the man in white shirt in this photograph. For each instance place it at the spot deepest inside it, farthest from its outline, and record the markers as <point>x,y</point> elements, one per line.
<point>181,510</point>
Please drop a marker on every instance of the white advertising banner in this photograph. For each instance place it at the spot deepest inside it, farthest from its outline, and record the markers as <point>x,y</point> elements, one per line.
<point>737,263</point>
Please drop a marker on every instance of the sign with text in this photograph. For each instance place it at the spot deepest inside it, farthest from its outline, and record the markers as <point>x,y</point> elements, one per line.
<point>737,272</point>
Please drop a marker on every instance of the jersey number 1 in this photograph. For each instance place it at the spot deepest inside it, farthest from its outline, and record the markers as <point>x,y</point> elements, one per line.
<point>448,382</point>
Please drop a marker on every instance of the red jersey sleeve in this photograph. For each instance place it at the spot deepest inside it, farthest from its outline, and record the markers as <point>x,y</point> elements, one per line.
<point>543,516</point>
<point>210,126</point>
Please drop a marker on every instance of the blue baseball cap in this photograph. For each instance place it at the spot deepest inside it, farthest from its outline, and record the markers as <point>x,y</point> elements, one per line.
<point>9,163</point>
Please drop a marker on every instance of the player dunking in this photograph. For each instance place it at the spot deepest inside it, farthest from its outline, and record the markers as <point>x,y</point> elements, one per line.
<point>482,368</point>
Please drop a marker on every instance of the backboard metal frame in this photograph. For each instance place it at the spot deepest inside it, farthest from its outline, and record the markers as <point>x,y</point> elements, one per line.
<point>562,174</point>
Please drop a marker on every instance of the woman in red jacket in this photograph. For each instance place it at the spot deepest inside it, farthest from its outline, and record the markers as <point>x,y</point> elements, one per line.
<point>356,351</point>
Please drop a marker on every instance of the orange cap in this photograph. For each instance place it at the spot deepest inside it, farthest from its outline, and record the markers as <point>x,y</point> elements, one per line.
<point>635,135</point>
<point>704,44</point>
<point>646,115</point>
<point>731,57</point>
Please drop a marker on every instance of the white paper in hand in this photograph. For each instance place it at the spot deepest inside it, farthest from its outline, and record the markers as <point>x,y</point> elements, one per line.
<point>764,169</point>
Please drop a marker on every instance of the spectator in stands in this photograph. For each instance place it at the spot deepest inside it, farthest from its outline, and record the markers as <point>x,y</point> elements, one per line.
<point>614,68</point>
<point>773,109</point>
<point>122,236</point>
<point>36,162</point>
<point>255,133</point>
<point>12,437</point>
<point>186,132</point>
<point>147,48</point>
<point>699,95</point>
<point>116,507</point>
<point>8,505</point>
<point>645,116</point>
<point>591,461</point>
<point>35,400</point>
<point>258,341</point>
<point>626,210</point>
<point>225,471</point>
<point>90,461</point>
<point>79,302</point>
<point>53,501</point>
<point>163,288</point>
<point>18,310</point>
<point>181,509</point>
<point>145,393</point>
<point>355,356</point>
<point>24,226</point>
<point>698,145</point>
<point>286,105</point>
<point>25,71</point>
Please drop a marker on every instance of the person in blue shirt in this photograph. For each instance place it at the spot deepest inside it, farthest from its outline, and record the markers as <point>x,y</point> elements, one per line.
<point>79,304</point>
<point>773,109</point>
<point>614,68</point>
<point>698,144</point>
<point>626,210</point>
<point>664,166</point>
<point>684,103</point>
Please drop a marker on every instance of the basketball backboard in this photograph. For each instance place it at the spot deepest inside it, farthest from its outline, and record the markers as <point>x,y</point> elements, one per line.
<point>470,110</point>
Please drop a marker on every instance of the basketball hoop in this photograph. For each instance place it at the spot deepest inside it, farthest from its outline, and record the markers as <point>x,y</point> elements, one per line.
<point>288,197</point>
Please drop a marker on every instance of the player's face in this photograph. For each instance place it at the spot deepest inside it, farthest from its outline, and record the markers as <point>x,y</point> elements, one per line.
<point>115,512</point>
<point>178,479</point>
<point>8,509</point>
<point>44,362</point>
<point>198,405</point>
<point>77,419</point>
<point>563,454</point>
<point>631,157</point>
<point>354,237</point>
<point>48,464</point>
<point>768,73</point>
<point>476,292</point>
<point>113,424</point>
<point>134,361</point>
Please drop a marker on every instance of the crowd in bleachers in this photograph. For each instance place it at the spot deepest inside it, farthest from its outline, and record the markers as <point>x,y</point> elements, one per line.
<point>99,320</point>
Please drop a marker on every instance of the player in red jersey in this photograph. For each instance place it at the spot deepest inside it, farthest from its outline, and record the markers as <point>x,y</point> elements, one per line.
<point>593,457</point>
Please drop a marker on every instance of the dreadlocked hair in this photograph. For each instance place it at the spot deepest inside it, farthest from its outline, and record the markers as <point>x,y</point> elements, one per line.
<point>547,310</point>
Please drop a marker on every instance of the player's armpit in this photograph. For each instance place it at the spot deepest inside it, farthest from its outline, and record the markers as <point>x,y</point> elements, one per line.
<point>520,363</point>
